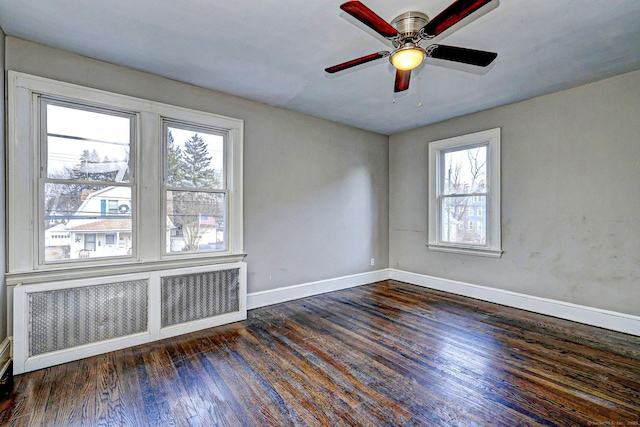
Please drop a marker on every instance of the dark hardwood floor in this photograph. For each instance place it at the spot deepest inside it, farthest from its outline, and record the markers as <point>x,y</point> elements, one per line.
<point>383,354</point>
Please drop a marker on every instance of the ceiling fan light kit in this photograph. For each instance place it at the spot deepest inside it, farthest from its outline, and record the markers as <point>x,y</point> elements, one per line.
<point>407,57</point>
<point>407,31</point>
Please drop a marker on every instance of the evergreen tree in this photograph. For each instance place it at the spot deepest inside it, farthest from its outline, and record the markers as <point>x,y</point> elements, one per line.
<point>87,169</point>
<point>196,163</point>
<point>175,161</point>
<point>94,157</point>
<point>190,166</point>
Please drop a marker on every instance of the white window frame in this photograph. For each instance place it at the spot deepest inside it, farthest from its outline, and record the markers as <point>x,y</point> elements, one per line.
<point>42,149</point>
<point>491,139</point>
<point>23,163</point>
<point>166,187</point>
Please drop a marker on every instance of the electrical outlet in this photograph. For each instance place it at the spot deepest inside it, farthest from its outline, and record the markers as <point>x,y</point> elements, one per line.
<point>373,261</point>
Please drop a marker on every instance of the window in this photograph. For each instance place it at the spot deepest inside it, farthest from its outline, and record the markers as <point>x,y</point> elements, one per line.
<point>113,207</point>
<point>195,190</point>
<point>90,242</point>
<point>464,179</point>
<point>86,157</point>
<point>99,171</point>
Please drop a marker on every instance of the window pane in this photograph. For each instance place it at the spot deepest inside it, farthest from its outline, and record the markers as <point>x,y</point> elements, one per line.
<point>89,242</point>
<point>195,221</point>
<point>195,159</point>
<point>113,206</point>
<point>87,145</point>
<point>464,220</point>
<point>78,218</point>
<point>465,171</point>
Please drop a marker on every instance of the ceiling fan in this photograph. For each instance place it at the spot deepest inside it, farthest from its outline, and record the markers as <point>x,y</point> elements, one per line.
<point>408,30</point>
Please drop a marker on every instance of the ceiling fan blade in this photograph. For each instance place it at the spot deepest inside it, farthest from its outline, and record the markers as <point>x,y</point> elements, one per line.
<point>402,80</point>
<point>480,58</point>
<point>357,61</point>
<point>455,13</point>
<point>369,18</point>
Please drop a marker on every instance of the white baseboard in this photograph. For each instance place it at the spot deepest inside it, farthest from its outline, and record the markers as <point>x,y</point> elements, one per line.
<point>5,355</point>
<point>578,313</point>
<point>289,293</point>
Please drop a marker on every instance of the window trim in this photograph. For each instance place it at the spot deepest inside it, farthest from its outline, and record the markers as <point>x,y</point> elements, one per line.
<point>23,164</point>
<point>490,138</point>
<point>184,125</point>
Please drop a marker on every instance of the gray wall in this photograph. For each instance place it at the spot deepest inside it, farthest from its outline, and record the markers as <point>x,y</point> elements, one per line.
<point>570,197</point>
<point>316,192</point>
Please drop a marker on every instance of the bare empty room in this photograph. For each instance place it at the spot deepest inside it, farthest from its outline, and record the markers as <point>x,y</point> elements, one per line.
<point>324,213</point>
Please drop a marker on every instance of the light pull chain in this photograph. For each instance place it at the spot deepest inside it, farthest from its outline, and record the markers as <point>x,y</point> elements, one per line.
<point>420,90</point>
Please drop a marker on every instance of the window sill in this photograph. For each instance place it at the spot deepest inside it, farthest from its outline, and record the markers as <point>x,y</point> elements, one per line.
<point>489,253</point>
<point>68,272</point>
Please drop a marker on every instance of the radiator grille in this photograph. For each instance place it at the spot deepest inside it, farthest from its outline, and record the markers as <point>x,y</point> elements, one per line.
<point>190,297</point>
<point>68,318</point>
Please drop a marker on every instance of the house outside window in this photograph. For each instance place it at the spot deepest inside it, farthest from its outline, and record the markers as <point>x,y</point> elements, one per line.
<point>88,175</point>
<point>464,182</point>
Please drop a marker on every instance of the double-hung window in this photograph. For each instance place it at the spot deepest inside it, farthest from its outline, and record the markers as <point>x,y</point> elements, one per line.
<point>84,163</point>
<point>195,188</point>
<point>464,188</point>
<point>128,182</point>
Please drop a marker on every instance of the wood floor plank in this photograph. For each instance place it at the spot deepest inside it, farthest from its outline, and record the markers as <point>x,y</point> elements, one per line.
<point>388,353</point>
<point>65,412</point>
<point>108,406</point>
<point>42,393</point>
<point>133,407</point>
<point>154,407</point>
<point>190,373</point>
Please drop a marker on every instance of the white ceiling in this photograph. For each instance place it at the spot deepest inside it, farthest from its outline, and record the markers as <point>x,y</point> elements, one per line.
<point>275,51</point>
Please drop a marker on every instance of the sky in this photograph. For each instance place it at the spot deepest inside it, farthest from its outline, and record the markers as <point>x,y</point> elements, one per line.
<point>108,134</point>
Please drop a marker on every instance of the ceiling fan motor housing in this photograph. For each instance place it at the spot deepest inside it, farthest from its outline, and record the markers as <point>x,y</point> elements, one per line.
<point>409,23</point>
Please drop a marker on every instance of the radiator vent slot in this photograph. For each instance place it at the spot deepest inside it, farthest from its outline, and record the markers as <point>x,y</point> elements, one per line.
<point>67,318</point>
<point>190,297</point>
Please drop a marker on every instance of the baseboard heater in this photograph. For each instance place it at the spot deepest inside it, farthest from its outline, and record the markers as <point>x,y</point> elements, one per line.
<point>57,322</point>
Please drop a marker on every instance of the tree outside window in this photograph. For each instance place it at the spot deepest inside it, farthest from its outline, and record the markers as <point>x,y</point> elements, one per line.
<point>196,194</point>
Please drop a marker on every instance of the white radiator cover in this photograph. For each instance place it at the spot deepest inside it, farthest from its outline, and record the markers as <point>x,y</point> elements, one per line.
<point>57,322</point>
<point>188,297</point>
